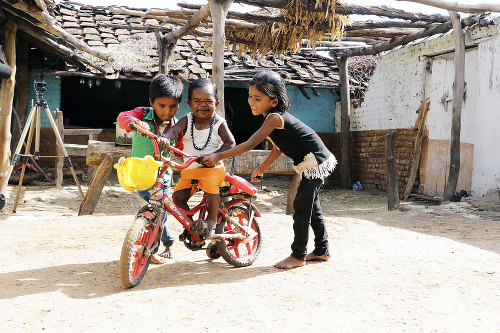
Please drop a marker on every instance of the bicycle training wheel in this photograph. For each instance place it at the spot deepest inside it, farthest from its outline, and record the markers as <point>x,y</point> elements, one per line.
<point>238,252</point>
<point>136,255</point>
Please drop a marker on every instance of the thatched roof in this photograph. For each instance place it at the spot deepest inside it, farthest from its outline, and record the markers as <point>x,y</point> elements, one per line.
<point>122,42</point>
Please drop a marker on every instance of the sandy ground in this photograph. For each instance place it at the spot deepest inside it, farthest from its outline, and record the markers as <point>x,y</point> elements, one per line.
<point>419,269</point>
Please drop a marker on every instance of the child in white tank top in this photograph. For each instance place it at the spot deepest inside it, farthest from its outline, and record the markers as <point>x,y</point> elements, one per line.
<point>204,132</point>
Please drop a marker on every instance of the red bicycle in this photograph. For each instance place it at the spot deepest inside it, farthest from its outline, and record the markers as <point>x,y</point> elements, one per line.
<point>237,235</point>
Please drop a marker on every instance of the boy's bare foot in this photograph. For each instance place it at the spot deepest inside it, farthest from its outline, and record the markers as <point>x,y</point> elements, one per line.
<point>211,229</point>
<point>162,258</point>
<point>312,256</point>
<point>290,262</point>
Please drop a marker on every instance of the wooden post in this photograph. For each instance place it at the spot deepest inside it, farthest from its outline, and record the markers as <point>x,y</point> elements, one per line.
<point>420,127</point>
<point>8,32</point>
<point>219,9</point>
<point>456,113</point>
<point>22,89</point>
<point>291,194</point>
<point>392,177</point>
<point>345,102</point>
<point>58,119</point>
<point>93,194</point>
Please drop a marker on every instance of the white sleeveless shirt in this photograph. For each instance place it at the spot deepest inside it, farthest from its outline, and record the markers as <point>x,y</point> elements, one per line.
<point>200,138</point>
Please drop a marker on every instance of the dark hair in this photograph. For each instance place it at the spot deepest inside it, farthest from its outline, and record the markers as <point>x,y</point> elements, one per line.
<point>201,82</point>
<point>272,85</point>
<point>165,86</point>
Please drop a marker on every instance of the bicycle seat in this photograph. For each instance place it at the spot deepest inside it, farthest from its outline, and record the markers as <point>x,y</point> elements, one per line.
<point>241,184</point>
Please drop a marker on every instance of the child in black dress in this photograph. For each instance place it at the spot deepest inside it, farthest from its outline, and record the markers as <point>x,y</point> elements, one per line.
<point>267,96</point>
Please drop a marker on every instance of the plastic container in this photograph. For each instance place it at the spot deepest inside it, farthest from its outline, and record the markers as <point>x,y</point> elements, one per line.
<point>137,173</point>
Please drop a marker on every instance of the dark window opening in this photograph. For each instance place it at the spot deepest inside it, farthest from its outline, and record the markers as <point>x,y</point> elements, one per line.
<point>241,121</point>
<point>96,104</point>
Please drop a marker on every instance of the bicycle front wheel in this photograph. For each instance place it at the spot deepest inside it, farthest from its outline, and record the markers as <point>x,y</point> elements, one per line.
<point>238,252</point>
<point>136,254</point>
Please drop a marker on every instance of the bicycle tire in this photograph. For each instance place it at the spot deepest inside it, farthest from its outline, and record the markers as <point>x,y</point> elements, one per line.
<point>134,259</point>
<point>235,251</point>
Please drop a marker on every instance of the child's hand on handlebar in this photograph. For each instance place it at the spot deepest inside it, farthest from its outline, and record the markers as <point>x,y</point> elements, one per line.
<point>142,124</point>
<point>256,176</point>
<point>210,160</point>
<point>164,142</point>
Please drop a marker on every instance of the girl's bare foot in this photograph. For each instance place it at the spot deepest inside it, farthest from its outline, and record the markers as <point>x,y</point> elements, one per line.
<point>162,258</point>
<point>312,256</point>
<point>290,262</point>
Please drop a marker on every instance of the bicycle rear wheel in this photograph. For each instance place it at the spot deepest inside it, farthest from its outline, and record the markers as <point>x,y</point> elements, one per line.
<point>238,252</point>
<point>136,254</point>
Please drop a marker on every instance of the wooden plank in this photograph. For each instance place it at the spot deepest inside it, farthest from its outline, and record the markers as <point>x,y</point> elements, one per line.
<point>420,127</point>
<point>93,194</point>
<point>96,151</point>
<point>392,180</point>
<point>74,149</point>
<point>82,131</point>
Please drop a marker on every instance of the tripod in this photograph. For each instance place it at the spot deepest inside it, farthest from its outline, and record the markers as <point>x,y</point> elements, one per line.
<point>33,124</point>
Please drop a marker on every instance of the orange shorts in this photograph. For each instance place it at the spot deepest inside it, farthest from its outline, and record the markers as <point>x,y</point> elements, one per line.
<point>208,178</point>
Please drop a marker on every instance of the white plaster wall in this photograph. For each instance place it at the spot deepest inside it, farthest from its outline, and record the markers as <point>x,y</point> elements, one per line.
<point>395,93</point>
<point>486,173</point>
<point>398,86</point>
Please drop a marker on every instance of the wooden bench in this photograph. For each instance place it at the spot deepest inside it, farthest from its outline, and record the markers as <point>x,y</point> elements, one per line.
<point>71,148</point>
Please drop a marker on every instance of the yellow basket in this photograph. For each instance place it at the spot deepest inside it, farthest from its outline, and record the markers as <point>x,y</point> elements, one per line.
<point>137,173</point>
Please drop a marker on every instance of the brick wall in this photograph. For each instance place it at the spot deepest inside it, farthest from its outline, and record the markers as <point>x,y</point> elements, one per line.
<point>368,161</point>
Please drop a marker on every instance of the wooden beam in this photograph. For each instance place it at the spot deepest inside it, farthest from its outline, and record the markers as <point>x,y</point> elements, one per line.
<point>392,178</point>
<point>218,10</point>
<point>458,99</point>
<point>385,46</point>
<point>46,22</point>
<point>345,123</point>
<point>460,7</point>
<point>93,194</point>
<point>8,33</point>
<point>190,25</point>
<point>346,9</point>
<point>42,42</point>
<point>420,128</point>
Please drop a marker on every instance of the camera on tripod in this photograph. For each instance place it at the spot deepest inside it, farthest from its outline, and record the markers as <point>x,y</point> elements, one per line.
<point>40,86</point>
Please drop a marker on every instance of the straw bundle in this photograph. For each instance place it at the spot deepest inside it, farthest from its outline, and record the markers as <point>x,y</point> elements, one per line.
<point>287,38</point>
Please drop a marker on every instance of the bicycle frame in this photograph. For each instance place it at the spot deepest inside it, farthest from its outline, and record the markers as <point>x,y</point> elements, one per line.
<point>181,215</point>
<point>239,239</point>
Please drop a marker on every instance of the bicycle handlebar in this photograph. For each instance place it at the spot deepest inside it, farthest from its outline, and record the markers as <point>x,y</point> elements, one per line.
<point>155,139</point>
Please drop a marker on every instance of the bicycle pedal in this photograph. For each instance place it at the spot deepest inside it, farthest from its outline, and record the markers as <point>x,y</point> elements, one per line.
<point>199,227</point>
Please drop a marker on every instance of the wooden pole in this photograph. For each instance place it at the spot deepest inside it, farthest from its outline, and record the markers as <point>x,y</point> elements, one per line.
<point>345,123</point>
<point>8,32</point>
<point>58,119</point>
<point>390,44</point>
<point>219,9</point>
<point>456,113</point>
<point>420,127</point>
<point>392,177</point>
<point>93,194</point>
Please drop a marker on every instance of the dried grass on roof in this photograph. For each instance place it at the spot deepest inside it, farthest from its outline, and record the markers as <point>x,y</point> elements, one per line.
<point>287,38</point>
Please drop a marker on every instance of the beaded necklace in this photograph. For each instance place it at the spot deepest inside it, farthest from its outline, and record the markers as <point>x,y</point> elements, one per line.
<point>209,133</point>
